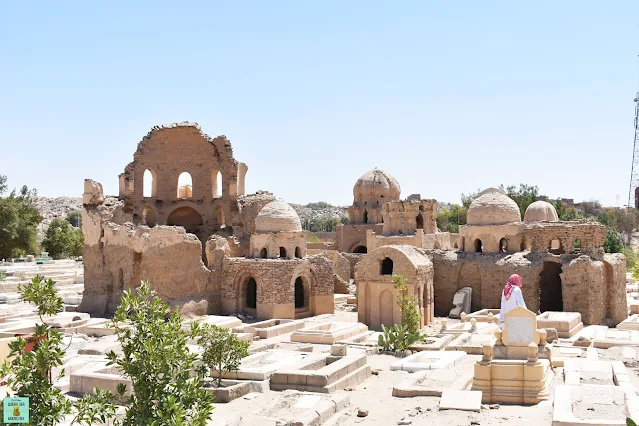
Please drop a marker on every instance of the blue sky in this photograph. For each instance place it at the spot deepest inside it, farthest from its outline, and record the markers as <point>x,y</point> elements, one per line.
<point>446,96</point>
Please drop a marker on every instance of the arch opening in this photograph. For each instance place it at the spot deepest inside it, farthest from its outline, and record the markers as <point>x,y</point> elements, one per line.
<point>556,247</point>
<point>216,182</point>
<point>576,245</point>
<point>298,252</point>
<point>524,245</point>
<point>503,245</point>
<point>263,253</point>
<point>251,293</point>
<point>299,293</point>
<point>360,249</point>
<point>186,217</point>
<point>365,216</point>
<point>282,252</point>
<point>479,246</point>
<point>148,183</point>
<point>386,266</point>
<point>550,291</point>
<point>185,185</point>
<point>419,222</point>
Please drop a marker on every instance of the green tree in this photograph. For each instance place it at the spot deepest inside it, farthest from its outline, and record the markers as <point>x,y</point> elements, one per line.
<point>467,199</point>
<point>19,221</point>
<point>524,196</point>
<point>74,217</point>
<point>449,220</point>
<point>167,390</point>
<point>408,305</point>
<point>223,351</point>
<point>29,372</point>
<point>61,240</point>
<point>613,243</point>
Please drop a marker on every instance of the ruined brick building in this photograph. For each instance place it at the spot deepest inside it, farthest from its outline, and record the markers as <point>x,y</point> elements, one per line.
<point>253,246</point>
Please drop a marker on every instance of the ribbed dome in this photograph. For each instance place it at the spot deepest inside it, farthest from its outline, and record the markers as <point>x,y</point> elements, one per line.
<point>493,207</point>
<point>541,211</point>
<point>277,216</point>
<point>376,184</point>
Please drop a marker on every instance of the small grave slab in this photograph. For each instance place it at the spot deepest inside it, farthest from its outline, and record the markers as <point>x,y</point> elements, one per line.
<point>567,324</point>
<point>589,405</point>
<point>460,400</point>
<point>434,382</point>
<point>608,337</point>
<point>433,343</point>
<point>483,315</point>
<point>471,343</point>
<point>328,333</point>
<point>262,365</point>
<point>429,360</point>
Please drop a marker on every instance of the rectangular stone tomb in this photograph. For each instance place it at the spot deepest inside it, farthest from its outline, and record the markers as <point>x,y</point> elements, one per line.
<point>434,382</point>
<point>567,324</point>
<point>367,339</point>
<point>436,342</point>
<point>85,380</point>
<point>634,307</point>
<point>217,320</point>
<point>97,327</point>
<point>608,337</point>
<point>589,405</point>
<point>630,323</point>
<point>429,360</point>
<point>262,365</point>
<point>596,372</point>
<point>274,327</point>
<point>325,375</point>
<point>471,343</point>
<point>233,389</point>
<point>328,333</point>
<point>469,327</point>
<point>561,353</point>
<point>483,315</point>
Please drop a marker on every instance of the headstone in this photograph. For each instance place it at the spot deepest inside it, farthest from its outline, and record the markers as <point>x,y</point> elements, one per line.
<point>461,300</point>
<point>520,328</point>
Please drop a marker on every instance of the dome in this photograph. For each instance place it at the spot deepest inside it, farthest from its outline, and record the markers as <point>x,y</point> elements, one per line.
<point>376,184</point>
<point>493,207</point>
<point>541,211</point>
<point>277,216</point>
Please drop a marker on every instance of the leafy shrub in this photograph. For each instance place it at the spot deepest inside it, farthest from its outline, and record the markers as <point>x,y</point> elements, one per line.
<point>408,304</point>
<point>631,257</point>
<point>397,338</point>
<point>613,243</point>
<point>61,240</point>
<point>74,217</point>
<point>19,221</point>
<point>223,351</point>
<point>29,373</point>
<point>156,358</point>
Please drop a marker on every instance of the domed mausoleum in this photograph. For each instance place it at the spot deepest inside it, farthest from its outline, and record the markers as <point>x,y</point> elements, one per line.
<point>541,211</point>
<point>277,216</point>
<point>493,224</point>
<point>371,191</point>
<point>278,233</point>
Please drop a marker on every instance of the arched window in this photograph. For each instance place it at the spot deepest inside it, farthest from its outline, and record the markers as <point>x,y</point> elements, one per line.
<point>217,184</point>
<point>298,252</point>
<point>524,244</point>
<point>576,245</point>
<point>282,252</point>
<point>360,249</point>
<point>263,253</point>
<point>503,245</point>
<point>299,293</point>
<point>365,216</point>
<point>148,184</point>
<point>479,246</point>
<point>386,266</point>
<point>555,247</point>
<point>185,186</point>
<point>421,208</point>
<point>251,293</point>
<point>419,222</point>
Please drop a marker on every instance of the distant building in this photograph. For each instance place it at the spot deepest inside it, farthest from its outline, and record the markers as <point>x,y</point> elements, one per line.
<point>414,197</point>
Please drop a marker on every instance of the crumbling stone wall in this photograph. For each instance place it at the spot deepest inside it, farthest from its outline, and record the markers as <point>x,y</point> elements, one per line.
<point>585,286</point>
<point>119,256</point>
<point>168,151</point>
<point>589,234</point>
<point>275,284</point>
<point>350,237</point>
<point>404,217</point>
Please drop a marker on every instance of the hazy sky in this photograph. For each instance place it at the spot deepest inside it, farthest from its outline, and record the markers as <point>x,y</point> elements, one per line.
<point>446,96</point>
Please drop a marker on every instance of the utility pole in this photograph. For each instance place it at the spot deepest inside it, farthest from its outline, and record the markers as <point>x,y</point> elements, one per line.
<point>633,193</point>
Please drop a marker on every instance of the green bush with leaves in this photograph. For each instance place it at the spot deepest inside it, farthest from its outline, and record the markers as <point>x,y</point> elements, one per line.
<point>408,305</point>
<point>74,217</point>
<point>19,221</point>
<point>29,372</point>
<point>631,257</point>
<point>613,243</point>
<point>223,351</point>
<point>398,338</point>
<point>62,240</point>
<point>167,389</point>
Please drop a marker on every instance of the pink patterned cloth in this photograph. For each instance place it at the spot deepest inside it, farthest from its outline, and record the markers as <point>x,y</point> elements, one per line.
<point>514,280</point>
